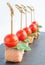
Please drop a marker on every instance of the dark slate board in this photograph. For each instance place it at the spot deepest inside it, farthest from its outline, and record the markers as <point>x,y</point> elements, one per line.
<point>35,57</point>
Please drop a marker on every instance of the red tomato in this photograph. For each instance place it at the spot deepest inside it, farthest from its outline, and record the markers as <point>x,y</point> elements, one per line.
<point>11,40</point>
<point>33,27</point>
<point>21,35</point>
<point>28,30</point>
<point>34,22</point>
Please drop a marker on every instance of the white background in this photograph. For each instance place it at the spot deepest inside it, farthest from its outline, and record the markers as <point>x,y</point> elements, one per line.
<point>39,6</point>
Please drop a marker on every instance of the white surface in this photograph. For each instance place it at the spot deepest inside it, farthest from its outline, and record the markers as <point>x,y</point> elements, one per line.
<point>39,6</point>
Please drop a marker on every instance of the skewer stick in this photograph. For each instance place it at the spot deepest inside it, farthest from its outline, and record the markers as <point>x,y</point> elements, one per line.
<point>21,11</point>
<point>19,8</point>
<point>34,15</point>
<point>25,14</point>
<point>12,13</point>
<point>32,9</point>
<point>21,22</point>
<point>26,19</point>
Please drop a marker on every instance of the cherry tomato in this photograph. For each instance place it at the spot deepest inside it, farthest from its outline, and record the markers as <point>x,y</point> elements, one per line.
<point>34,22</point>
<point>11,40</point>
<point>28,30</point>
<point>33,27</point>
<point>21,35</point>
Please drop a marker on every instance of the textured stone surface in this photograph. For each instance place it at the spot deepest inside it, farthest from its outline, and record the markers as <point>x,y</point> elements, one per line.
<point>35,57</point>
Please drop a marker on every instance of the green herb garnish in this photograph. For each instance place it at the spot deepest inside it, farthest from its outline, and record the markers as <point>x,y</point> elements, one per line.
<point>39,26</point>
<point>26,40</point>
<point>23,46</point>
<point>33,34</point>
<point>37,30</point>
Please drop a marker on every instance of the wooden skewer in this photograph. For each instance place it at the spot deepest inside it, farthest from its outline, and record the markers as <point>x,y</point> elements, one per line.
<point>26,18</point>
<point>12,13</point>
<point>21,22</point>
<point>24,7</point>
<point>32,9</point>
<point>34,15</point>
<point>21,11</point>
<point>25,14</point>
<point>19,8</point>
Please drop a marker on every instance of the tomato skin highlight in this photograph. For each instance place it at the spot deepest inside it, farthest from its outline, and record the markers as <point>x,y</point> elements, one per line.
<point>28,30</point>
<point>11,40</point>
<point>34,22</point>
<point>33,27</point>
<point>22,35</point>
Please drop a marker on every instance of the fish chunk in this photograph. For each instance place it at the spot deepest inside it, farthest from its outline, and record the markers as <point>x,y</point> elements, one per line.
<point>13,55</point>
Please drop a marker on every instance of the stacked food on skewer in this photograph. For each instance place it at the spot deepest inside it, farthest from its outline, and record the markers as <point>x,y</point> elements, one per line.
<point>14,47</point>
<point>27,29</point>
<point>34,25</point>
<point>22,35</point>
<point>16,44</point>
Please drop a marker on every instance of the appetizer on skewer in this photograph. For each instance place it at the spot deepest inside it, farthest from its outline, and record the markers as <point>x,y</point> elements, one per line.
<point>36,33</point>
<point>22,35</point>
<point>27,29</point>
<point>38,28</point>
<point>16,44</point>
<point>14,50</point>
<point>33,27</point>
